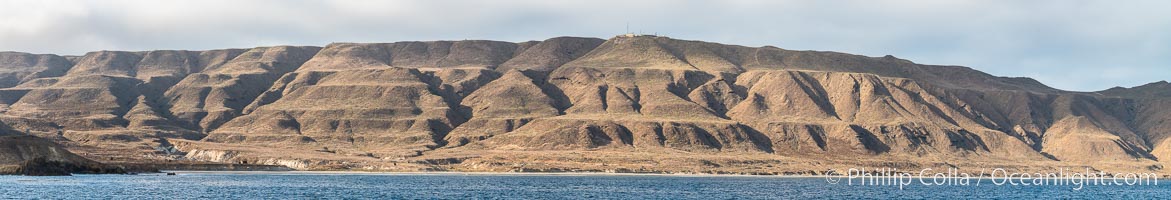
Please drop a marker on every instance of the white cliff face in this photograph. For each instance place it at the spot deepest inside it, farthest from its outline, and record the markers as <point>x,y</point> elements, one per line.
<point>236,157</point>
<point>212,155</point>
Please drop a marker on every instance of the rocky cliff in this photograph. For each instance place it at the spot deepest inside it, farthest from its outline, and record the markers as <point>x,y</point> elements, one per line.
<point>643,103</point>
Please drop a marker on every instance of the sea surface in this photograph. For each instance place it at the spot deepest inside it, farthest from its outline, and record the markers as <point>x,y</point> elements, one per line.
<point>302,185</point>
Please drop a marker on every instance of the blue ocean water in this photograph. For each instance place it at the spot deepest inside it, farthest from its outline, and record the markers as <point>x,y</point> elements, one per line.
<point>293,185</point>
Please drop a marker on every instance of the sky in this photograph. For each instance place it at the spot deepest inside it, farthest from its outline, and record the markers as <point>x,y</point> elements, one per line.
<point>1074,45</point>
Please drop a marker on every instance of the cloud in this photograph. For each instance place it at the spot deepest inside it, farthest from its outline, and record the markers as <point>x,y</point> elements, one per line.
<point>1074,45</point>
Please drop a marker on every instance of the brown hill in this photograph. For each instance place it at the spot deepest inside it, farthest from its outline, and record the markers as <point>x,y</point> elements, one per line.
<point>31,155</point>
<point>1152,90</point>
<point>630,103</point>
<point>204,101</point>
<point>16,68</point>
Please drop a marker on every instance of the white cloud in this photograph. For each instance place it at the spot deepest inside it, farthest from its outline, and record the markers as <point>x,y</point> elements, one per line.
<point>1076,45</point>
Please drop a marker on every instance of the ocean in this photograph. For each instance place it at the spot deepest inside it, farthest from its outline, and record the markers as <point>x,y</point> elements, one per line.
<point>311,185</point>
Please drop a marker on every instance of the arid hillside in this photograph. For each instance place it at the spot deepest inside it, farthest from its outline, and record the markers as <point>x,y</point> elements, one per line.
<point>627,104</point>
<point>31,155</point>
